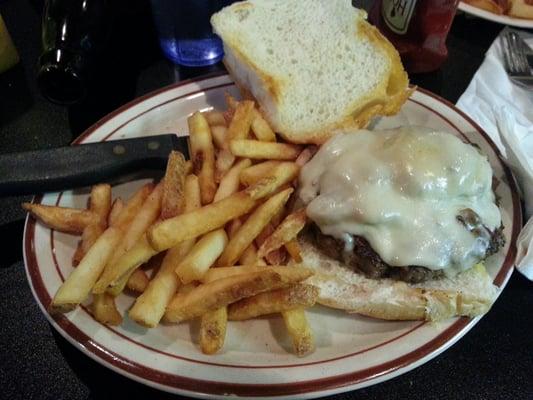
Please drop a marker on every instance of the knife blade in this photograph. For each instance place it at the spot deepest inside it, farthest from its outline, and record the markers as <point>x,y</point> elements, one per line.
<point>71,167</point>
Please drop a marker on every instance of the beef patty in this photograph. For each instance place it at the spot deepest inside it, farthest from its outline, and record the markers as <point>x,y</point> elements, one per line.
<point>364,260</point>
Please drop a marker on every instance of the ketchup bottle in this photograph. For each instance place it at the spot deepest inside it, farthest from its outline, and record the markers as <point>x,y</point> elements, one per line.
<point>417,28</point>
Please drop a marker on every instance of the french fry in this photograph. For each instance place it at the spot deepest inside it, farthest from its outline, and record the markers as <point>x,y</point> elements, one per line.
<point>299,330</point>
<point>168,233</point>
<point>172,202</point>
<point>280,175</point>
<point>306,155</point>
<point>231,102</point>
<point>293,248</point>
<point>215,118</point>
<point>224,162</point>
<point>284,233</point>
<point>78,285</point>
<point>100,204</point>
<point>215,274</point>
<point>116,209</point>
<point>219,136</point>
<point>219,293</point>
<point>258,150</point>
<point>276,301</point>
<point>253,174</point>
<point>230,182</point>
<point>138,281</point>
<point>64,219</point>
<point>146,216</point>
<point>104,310</point>
<point>249,256</point>
<point>133,206</point>
<point>139,254</point>
<point>252,227</point>
<point>150,306</point>
<point>202,256</point>
<point>202,155</point>
<point>213,330</point>
<point>261,129</point>
<point>239,127</point>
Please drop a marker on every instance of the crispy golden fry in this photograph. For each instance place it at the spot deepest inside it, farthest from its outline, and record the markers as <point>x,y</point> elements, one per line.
<point>261,129</point>
<point>133,206</point>
<point>239,127</point>
<point>280,175</point>
<point>116,209</point>
<point>213,330</point>
<point>306,155</point>
<point>219,293</point>
<point>202,155</point>
<point>104,310</point>
<point>202,256</point>
<point>284,233</point>
<point>138,281</point>
<point>146,216</point>
<point>172,202</point>
<point>219,136</point>
<point>64,219</point>
<point>277,257</point>
<point>293,248</point>
<point>276,301</point>
<point>252,227</point>
<point>79,283</point>
<point>299,330</point>
<point>230,182</point>
<point>253,174</point>
<point>168,233</point>
<point>139,254</point>
<point>231,102</point>
<point>100,204</point>
<point>224,162</point>
<point>215,118</point>
<point>150,306</point>
<point>100,201</point>
<point>215,274</point>
<point>258,150</point>
<point>88,238</point>
<point>249,256</point>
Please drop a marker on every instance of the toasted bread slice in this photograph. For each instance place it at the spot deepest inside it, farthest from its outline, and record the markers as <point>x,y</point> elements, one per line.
<point>313,66</point>
<point>470,293</point>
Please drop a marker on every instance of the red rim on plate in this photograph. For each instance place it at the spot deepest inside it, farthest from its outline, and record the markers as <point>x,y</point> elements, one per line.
<point>196,386</point>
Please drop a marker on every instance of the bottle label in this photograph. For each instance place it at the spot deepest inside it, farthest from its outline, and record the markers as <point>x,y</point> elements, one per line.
<point>397,14</point>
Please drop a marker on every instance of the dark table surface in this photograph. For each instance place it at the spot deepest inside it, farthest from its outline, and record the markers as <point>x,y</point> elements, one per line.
<point>493,361</point>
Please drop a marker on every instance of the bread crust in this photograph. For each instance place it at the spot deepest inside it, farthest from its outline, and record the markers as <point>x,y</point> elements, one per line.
<point>471,293</point>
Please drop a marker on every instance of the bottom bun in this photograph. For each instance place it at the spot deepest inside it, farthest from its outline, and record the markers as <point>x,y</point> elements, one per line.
<point>470,293</point>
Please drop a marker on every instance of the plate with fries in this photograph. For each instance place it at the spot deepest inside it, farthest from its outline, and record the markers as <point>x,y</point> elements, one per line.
<point>189,280</point>
<point>499,18</point>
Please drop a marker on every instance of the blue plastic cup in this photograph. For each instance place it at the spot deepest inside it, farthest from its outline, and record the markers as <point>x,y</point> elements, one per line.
<point>185,33</point>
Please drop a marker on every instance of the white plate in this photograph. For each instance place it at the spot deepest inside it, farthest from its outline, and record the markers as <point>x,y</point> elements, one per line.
<point>501,19</point>
<point>352,351</point>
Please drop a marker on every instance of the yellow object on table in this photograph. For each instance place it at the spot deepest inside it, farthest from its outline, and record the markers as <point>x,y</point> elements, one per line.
<point>8,54</point>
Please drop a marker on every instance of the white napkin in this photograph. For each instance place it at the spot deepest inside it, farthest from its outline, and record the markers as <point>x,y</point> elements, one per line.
<point>505,111</point>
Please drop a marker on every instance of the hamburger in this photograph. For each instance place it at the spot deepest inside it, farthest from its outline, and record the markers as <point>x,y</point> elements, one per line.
<point>401,221</point>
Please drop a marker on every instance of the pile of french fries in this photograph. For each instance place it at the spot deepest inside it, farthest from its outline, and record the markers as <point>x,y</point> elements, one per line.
<point>215,239</point>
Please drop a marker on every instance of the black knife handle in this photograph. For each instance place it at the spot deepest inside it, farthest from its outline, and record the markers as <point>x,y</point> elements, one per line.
<point>82,165</point>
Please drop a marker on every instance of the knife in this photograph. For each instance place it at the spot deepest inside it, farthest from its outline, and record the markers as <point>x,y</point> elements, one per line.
<point>70,167</point>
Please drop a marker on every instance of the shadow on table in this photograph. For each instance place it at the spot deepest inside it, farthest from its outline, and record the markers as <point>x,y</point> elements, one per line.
<point>15,96</point>
<point>11,234</point>
<point>132,47</point>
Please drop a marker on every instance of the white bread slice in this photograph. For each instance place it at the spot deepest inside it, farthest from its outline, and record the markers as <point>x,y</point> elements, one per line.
<point>313,66</point>
<point>470,293</point>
